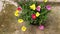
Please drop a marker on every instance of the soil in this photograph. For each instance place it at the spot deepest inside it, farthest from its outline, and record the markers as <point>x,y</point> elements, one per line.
<point>9,24</point>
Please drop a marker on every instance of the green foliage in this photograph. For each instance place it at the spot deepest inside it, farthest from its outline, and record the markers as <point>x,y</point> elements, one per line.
<point>27,12</point>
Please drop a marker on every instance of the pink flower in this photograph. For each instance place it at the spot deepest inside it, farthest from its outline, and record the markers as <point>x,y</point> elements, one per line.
<point>33,16</point>
<point>41,27</point>
<point>38,8</point>
<point>48,7</point>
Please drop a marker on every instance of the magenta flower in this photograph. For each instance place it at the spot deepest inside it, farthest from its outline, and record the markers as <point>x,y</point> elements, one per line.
<point>38,8</point>
<point>41,27</point>
<point>33,16</point>
<point>48,7</point>
<point>19,8</point>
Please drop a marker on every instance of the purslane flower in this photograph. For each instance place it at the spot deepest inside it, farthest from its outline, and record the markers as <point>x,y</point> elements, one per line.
<point>33,16</point>
<point>20,20</point>
<point>37,14</point>
<point>41,27</point>
<point>38,8</point>
<point>23,28</point>
<point>16,13</point>
<point>48,7</point>
<point>19,8</point>
<point>33,7</point>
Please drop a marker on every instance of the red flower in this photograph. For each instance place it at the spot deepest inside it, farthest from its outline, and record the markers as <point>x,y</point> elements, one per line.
<point>19,8</point>
<point>33,16</point>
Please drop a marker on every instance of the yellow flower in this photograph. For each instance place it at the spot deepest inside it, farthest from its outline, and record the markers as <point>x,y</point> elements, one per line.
<point>45,0</point>
<point>33,6</point>
<point>20,20</point>
<point>16,13</point>
<point>23,28</point>
<point>37,14</point>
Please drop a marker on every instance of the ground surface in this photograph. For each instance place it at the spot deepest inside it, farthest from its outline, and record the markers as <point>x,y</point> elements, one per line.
<point>9,25</point>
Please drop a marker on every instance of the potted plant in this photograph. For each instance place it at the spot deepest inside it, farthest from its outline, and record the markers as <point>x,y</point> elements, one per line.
<point>33,12</point>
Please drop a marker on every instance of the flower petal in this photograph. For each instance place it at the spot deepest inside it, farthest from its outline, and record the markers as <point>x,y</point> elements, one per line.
<point>33,16</point>
<point>23,28</point>
<point>48,7</point>
<point>20,20</point>
<point>19,8</point>
<point>16,13</point>
<point>38,8</point>
<point>41,27</point>
<point>33,6</point>
<point>37,14</point>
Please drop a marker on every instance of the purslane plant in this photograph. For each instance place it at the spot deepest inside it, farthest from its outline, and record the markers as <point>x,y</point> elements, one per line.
<point>33,12</point>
